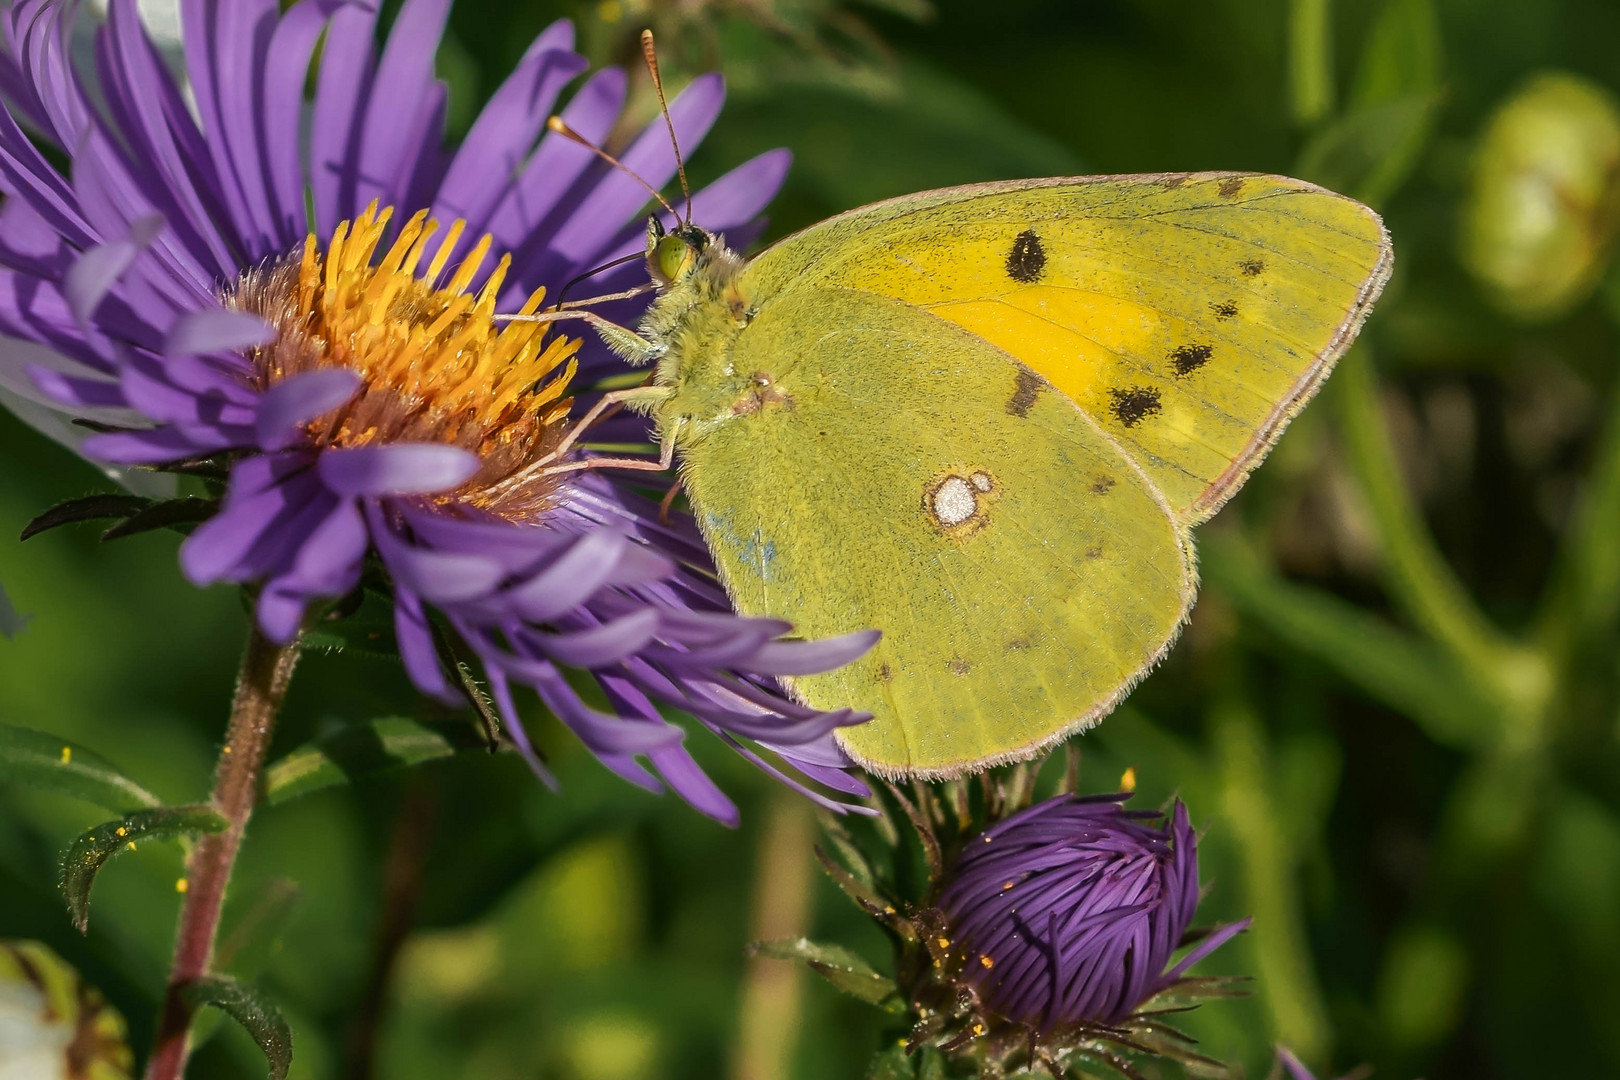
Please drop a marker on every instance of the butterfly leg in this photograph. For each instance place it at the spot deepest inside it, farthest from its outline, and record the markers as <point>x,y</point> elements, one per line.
<point>668,501</point>
<point>625,342</point>
<point>666,458</point>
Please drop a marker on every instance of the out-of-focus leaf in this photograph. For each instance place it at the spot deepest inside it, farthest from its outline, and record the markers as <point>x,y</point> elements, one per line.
<point>1402,55</point>
<point>839,966</point>
<point>364,749</point>
<point>856,149</point>
<point>38,759</point>
<point>1370,152</point>
<point>88,508</point>
<point>1422,987</point>
<point>252,927</point>
<point>893,1064</point>
<point>91,850</point>
<point>171,513</point>
<point>370,632</point>
<point>1387,663</point>
<point>248,1007</point>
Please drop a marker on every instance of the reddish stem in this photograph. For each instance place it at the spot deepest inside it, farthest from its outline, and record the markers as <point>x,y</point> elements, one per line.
<point>266,669</point>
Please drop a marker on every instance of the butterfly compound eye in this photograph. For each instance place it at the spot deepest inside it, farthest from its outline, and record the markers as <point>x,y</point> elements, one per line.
<point>671,258</point>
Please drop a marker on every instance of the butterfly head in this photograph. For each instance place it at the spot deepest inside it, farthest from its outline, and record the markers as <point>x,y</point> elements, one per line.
<point>672,256</point>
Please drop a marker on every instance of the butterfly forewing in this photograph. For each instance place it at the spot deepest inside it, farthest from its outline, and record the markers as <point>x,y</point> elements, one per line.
<point>1189,315</point>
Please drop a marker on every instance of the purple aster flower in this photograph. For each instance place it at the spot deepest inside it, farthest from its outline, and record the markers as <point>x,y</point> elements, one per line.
<point>305,293</point>
<point>1066,914</point>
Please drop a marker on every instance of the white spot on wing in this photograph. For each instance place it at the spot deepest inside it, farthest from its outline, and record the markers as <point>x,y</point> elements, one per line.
<point>982,481</point>
<point>953,501</point>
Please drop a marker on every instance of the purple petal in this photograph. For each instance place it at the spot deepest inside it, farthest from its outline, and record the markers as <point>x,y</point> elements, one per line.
<point>556,164</point>
<point>286,70</point>
<point>605,644</point>
<point>94,275</point>
<point>500,140</point>
<point>569,579</point>
<point>290,404</point>
<point>217,548</point>
<point>1220,936</point>
<point>398,469</point>
<point>809,657</point>
<point>675,765</point>
<point>216,330</point>
<point>170,443</point>
<point>1296,1070</point>
<point>328,563</point>
<point>441,577</point>
<point>401,91</point>
<point>153,118</point>
<point>280,613</point>
<point>617,197</point>
<point>416,649</point>
<point>347,62</point>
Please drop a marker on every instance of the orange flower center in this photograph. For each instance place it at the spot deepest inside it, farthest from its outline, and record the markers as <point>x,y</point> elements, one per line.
<point>436,365</point>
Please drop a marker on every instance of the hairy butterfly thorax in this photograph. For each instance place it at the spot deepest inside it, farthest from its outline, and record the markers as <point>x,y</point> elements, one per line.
<point>693,327</point>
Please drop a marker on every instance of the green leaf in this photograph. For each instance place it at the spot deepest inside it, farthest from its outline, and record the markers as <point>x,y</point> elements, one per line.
<point>1402,55</point>
<point>369,630</point>
<point>841,967</point>
<point>1388,664</point>
<point>364,749</point>
<point>89,508</point>
<point>893,1064</point>
<point>247,1007</point>
<point>92,850</point>
<point>171,513</point>
<point>38,759</point>
<point>1370,152</point>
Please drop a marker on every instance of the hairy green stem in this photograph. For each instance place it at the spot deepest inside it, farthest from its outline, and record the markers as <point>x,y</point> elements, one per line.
<point>260,688</point>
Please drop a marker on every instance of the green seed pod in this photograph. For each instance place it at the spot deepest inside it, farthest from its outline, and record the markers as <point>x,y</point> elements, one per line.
<point>1545,201</point>
<point>53,1026</point>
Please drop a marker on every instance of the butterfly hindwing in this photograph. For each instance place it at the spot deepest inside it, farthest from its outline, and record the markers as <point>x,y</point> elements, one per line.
<point>902,475</point>
<point>1189,315</point>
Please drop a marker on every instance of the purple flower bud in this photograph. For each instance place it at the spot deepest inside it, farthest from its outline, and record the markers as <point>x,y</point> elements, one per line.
<point>1066,914</point>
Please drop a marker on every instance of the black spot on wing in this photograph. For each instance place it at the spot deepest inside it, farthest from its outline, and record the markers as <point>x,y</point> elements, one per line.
<point>1134,404</point>
<point>885,673</point>
<point>1252,267</point>
<point>959,666</point>
<point>1230,187</point>
<point>1102,483</point>
<point>1027,388</point>
<point>1224,310</point>
<point>1027,258</point>
<point>1189,358</point>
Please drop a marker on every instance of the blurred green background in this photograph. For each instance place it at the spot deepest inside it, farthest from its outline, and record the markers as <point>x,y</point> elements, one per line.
<point>1395,715</point>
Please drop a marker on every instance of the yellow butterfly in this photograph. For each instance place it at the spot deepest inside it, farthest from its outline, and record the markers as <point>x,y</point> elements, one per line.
<point>984,421</point>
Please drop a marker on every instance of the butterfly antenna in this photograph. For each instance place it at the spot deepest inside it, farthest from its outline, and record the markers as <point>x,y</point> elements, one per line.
<point>649,52</point>
<point>562,294</point>
<point>560,126</point>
